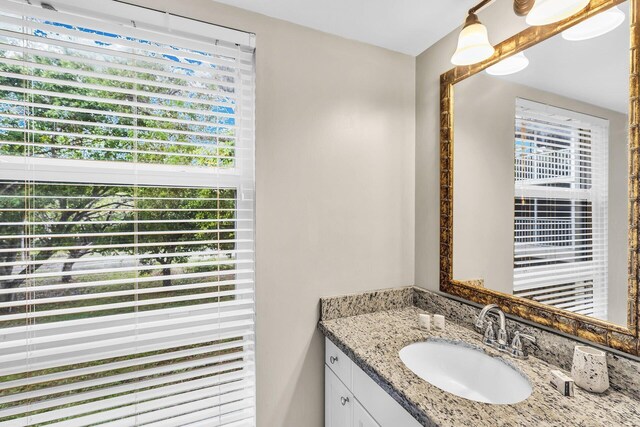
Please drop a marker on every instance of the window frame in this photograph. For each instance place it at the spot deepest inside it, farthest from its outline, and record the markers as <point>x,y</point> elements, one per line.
<point>240,177</point>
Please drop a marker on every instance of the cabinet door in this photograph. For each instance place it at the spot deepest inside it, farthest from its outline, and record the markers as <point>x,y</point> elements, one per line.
<point>361,418</point>
<point>338,401</point>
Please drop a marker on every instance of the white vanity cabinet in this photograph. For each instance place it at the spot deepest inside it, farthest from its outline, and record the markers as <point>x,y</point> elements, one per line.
<point>353,399</point>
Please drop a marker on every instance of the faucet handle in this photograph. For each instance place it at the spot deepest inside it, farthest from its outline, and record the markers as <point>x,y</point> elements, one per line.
<point>489,333</point>
<point>517,348</point>
<point>502,337</point>
<point>479,324</point>
<point>522,336</point>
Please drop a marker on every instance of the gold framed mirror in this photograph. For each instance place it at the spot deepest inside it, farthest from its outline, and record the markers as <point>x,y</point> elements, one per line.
<point>567,317</point>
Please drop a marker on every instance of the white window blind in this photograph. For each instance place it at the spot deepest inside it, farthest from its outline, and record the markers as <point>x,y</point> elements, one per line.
<point>561,182</point>
<point>126,218</point>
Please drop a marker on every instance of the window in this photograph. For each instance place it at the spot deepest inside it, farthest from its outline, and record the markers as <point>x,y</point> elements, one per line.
<point>126,219</point>
<point>561,167</point>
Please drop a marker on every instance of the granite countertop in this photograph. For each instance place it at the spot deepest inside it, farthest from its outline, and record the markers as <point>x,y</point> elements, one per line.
<point>373,341</point>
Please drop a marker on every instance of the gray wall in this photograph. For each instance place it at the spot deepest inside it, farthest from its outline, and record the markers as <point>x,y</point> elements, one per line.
<point>483,182</point>
<point>335,142</point>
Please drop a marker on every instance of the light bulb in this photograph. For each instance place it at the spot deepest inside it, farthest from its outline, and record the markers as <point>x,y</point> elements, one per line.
<point>510,65</point>
<point>595,26</point>
<point>546,12</point>
<point>473,43</point>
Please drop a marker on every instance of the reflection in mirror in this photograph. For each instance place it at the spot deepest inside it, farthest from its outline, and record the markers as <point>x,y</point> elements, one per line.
<point>540,171</point>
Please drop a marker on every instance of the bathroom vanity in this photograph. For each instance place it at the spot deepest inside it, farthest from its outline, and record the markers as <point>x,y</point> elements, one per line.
<point>367,383</point>
<point>352,398</point>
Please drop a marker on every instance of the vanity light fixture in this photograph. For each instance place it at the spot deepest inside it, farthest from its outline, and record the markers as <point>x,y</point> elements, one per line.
<point>595,26</point>
<point>510,65</point>
<point>473,42</point>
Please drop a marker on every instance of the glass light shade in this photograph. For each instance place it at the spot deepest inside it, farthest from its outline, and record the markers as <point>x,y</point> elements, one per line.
<point>510,65</point>
<point>473,45</point>
<point>595,26</point>
<point>546,12</point>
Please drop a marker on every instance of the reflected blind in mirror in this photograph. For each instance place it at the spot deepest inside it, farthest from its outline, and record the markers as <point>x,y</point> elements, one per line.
<point>126,218</point>
<point>560,220</point>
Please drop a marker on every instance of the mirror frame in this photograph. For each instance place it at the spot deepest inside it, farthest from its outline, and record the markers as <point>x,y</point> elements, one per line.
<point>625,339</point>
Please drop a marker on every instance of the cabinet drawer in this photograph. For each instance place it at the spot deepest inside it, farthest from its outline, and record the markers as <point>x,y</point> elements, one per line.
<point>339,363</point>
<point>338,401</point>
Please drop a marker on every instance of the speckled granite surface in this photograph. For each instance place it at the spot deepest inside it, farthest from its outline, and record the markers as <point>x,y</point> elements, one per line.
<point>373,341</point>
<point>366,302</point>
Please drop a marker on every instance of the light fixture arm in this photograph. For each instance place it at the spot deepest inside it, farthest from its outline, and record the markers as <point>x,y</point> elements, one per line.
<point>475,9</point>
<point>520,7</point>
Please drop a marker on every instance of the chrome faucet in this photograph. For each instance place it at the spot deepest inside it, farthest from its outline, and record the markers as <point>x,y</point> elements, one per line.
<point>489,335</point>
<point>516,349</point>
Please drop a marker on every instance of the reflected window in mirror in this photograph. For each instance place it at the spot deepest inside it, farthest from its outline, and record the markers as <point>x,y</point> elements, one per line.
<point>560,208</point>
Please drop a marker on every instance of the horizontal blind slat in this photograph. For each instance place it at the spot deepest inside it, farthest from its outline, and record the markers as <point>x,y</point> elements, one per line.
<point>226,330</point>
<point>121,24</point>
<point>101,393</point>
<point>113,89</point>
<point>127,409</point>
<point>113,102</point>
<point>120,365</point>
<point>101,51</point>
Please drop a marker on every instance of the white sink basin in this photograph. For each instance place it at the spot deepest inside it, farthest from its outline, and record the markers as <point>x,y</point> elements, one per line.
<point>466,372</point>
